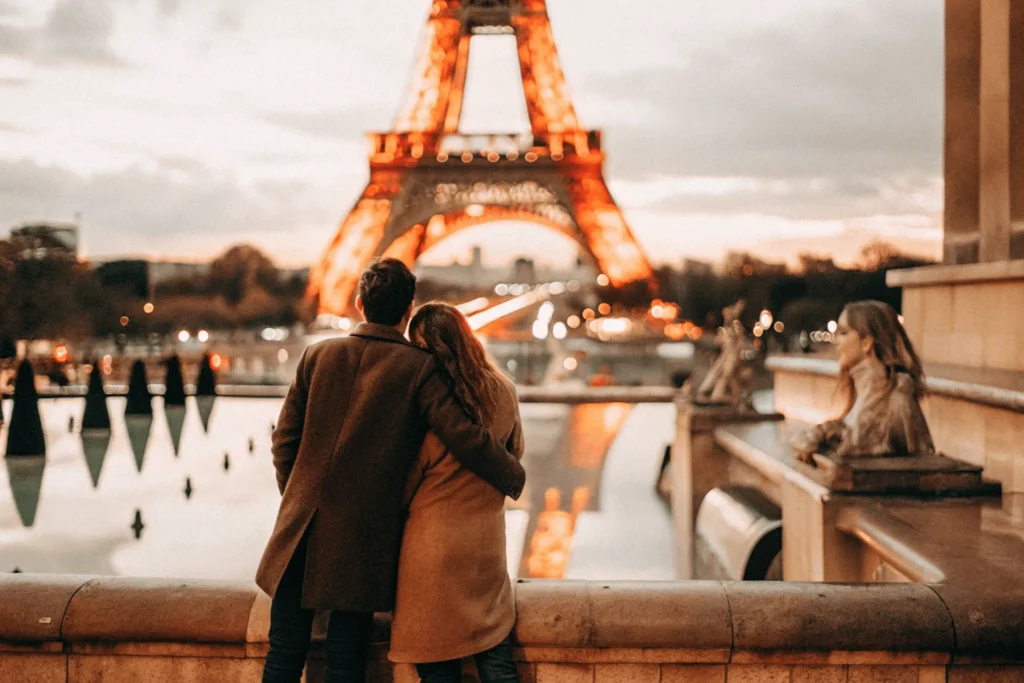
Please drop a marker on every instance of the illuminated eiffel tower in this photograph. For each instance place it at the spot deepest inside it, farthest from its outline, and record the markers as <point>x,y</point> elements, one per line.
<point>428,181</point>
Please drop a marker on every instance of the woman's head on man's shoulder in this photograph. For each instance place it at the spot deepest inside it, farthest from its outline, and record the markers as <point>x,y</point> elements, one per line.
<point>443,330</point>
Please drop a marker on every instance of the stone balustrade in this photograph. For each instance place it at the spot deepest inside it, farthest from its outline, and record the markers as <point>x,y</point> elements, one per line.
<point>527,394</point>
<point>81,629</point>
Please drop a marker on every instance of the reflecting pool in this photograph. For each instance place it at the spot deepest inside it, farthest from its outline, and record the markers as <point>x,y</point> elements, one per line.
<point>166,496</point>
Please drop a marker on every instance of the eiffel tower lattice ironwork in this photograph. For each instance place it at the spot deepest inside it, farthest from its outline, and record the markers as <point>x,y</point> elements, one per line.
<point>428,181</point>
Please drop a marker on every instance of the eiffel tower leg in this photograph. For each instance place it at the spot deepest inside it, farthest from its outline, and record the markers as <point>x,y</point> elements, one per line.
<point>434,96</point>
<point>548,100</point>
<point>334,279</point>
<point>605,229</point>
<point>409,246</point>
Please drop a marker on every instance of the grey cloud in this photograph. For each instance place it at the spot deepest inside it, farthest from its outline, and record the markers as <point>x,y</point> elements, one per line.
<point>229,19</point>
<point>79,31</point>
<point>76,32</point>
<point>179,203</point>
<point>169,7</point>
<point>14,40</point>
<point>856,89</point>
<point>813,198</point>
<point>337,124</point>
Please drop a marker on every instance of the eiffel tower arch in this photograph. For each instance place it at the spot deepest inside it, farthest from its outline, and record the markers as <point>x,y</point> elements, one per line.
<point>428,181</point>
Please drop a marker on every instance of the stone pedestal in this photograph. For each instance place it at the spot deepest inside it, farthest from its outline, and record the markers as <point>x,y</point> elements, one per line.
<point>697,467</point>
<point>967,325</point>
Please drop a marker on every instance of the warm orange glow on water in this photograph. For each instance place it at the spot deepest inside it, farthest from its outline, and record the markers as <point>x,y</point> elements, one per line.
<point>591,430</point>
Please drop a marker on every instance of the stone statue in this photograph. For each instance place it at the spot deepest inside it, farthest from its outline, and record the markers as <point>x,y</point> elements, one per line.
<point>882,379</point>
<point>730,379</point>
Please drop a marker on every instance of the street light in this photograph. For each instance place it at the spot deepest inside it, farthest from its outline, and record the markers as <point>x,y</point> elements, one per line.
<point>148,308</point>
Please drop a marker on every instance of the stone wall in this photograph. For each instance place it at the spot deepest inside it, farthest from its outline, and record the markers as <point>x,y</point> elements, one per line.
<point>82,630</point>
<point>965,315</point>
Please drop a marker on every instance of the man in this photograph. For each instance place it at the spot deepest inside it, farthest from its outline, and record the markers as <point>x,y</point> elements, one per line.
<point>350,429</point>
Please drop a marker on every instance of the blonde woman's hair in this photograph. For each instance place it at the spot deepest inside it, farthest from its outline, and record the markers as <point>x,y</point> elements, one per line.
<point>891,346</point>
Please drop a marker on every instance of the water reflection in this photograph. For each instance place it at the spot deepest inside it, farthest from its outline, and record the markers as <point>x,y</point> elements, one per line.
<point>95,443</point>
<point>207,499</point>
<point>568,458</point>
<point>175,415</point>
<point>205,406</point>
<point>139,428</point>
<point>25,473</point>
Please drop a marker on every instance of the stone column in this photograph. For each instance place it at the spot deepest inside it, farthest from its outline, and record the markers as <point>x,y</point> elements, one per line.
<point>1016,31</point>
<point>984,142</point>
<point>963,46</point>
<point>994,138</point>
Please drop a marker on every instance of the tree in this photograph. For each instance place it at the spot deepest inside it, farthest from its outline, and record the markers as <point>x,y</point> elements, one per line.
<point>880,255</point>
<point>240,269</point>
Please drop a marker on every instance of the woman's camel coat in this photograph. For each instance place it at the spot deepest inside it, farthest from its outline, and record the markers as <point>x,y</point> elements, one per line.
<point>454,596</point>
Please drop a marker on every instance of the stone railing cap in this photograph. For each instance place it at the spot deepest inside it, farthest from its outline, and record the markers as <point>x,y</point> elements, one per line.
<point>956,274</point>
<point>141,610</point>
<point>718,619</point>
<point>829,617</point>
<point>32,606</point>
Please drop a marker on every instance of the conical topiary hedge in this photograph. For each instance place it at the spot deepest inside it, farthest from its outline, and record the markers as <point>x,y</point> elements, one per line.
<point>25,433</point>
<point>96,415</point>
<point>140,401</point>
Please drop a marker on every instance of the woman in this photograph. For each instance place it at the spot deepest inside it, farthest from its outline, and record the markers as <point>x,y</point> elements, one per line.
<point>883,381</point>
<point>454,596</point>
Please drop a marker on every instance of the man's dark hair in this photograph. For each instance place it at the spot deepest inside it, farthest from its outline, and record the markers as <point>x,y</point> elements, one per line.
<point>387,288</point>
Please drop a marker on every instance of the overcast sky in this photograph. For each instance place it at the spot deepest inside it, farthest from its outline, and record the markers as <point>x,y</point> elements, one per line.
<point>178,127</point>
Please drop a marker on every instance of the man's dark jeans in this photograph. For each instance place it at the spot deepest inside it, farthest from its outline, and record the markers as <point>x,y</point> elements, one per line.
<point>348,634</point>
<point>494,666</point>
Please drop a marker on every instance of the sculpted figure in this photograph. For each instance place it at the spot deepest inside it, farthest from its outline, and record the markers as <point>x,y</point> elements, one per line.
<point>881,376</point>
<point>729,380</point>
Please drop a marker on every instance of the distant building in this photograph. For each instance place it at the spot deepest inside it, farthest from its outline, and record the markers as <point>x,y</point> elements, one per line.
<point>522,271</point>
<point>743,264</point>
<point>697,268</point>
<point>810,264</point>
<point>131,276</point>
<point>46,240</point>
<point>165,271</point>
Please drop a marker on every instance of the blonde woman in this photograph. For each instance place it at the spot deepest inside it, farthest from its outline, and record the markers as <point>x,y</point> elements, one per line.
<point>454,596</point>
<point>882,379</point>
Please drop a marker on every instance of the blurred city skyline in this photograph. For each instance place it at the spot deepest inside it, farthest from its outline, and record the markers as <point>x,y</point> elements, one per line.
<point>178,128</point>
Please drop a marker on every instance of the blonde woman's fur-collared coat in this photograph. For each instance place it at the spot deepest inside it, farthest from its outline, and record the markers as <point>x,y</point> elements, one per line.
<point>885,419</point>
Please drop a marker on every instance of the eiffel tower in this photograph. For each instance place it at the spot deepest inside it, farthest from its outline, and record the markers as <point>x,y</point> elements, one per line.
<point>428,181</point>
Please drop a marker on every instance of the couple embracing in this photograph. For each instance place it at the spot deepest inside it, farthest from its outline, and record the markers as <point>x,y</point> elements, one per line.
<point>394,458</point>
